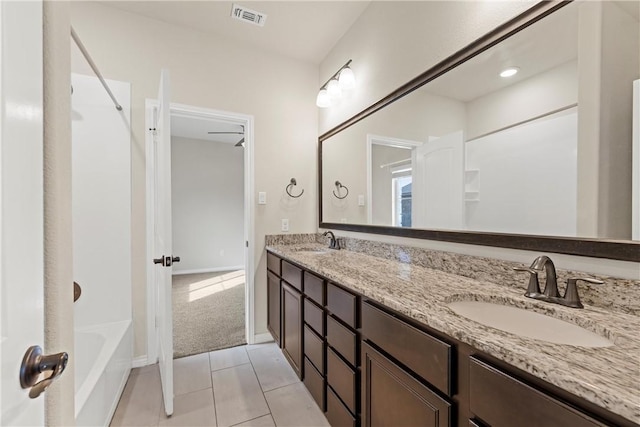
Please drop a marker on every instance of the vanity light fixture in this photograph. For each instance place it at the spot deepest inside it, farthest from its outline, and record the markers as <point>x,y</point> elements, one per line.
<point>333,89</point>
<point>335,92</point>
<point>347,79</point>
<point>508,72</point>
<point>323,100</point>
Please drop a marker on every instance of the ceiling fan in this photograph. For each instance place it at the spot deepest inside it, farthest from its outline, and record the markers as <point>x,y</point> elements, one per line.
<point>239,143</point>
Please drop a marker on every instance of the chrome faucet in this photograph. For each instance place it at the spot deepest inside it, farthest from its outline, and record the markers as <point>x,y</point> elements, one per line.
<point>333,243</point>
<point>551,294</point>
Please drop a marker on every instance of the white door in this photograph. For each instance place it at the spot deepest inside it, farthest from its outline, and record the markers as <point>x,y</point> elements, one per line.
<point>162,240</point>
<point>438,183</point>
<point>21,205</point>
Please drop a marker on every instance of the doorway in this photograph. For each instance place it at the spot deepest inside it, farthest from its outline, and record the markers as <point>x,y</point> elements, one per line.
<point>389,180</point>
<point>207,199</point>
<point>211,177</point>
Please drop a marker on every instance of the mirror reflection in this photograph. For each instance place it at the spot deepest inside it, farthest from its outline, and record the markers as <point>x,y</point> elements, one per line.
<point>532,136</point>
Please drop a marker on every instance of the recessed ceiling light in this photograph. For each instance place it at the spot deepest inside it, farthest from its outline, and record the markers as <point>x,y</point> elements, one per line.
<point>508,72</point>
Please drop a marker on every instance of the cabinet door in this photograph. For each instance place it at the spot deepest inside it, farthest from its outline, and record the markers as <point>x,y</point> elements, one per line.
<point>499,399</point>
<point>273,306</point>
<point>392,397</point>
<point>292,327</point>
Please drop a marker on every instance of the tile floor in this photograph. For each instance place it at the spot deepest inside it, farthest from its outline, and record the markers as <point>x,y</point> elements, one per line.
<point>240,386</point>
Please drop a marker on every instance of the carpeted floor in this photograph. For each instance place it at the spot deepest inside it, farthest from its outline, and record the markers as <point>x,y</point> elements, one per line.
<point>208,312</point>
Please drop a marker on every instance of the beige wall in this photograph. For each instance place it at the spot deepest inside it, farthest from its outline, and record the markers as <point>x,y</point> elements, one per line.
<point>545,92</point>
<point>207,204</point>
<point>386,53</point>
<point>415,118</point>
<point>394,41</point>
<point>211,72</point>
<point>609,52</point>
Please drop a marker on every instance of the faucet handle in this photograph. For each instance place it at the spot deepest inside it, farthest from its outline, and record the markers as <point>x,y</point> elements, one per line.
<point>533,290</point>
<point>571,297</point>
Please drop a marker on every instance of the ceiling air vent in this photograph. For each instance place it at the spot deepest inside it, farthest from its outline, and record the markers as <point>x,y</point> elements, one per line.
<point>248,15</point>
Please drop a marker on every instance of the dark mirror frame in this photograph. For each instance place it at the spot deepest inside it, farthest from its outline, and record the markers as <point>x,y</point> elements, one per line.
<point>625,250</point>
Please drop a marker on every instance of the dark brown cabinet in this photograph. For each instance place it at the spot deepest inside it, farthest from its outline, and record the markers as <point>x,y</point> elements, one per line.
<point>520,404</point>
<point>368,365</point>
<point>392,397</point>
<point>427,356</point>
<point>292,327</point>
<point>343,374</point>
<point>273,306</point>
<point>337,414</point>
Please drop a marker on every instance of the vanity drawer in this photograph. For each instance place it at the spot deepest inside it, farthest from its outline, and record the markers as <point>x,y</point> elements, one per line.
<point>314,382</point>
<point>273,263</point>
<point>292,275</point>
<point>427,356</point>
<point>391,396</point>
<point>343,305</point>
<point>342,380</point>
<point>314,288</point>
<point>343,340</point>
<point>314,317</point>
<point>314,348</point>
<point>337,414</point>
<point>500,399</point>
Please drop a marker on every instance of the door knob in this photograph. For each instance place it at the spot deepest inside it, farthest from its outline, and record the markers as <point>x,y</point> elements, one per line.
<point>77,291</point>
<point>166,261</point>
<point>34,364</point>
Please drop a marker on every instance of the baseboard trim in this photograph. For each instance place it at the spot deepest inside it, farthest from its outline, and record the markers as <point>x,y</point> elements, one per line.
<point>262,338</point>
<point>208,270</point>
<point>140,361</point>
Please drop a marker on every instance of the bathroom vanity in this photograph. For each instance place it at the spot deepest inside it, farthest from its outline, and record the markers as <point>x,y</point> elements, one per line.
<point>375,344</point>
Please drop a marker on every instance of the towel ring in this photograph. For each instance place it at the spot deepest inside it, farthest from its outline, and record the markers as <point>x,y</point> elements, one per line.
<point>292,183</point>
<point>338,187</point>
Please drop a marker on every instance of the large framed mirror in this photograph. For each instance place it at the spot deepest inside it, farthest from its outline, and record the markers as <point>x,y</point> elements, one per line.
<point>542,159</point>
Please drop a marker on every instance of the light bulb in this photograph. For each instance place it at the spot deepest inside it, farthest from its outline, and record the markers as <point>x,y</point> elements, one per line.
<point>508,72</point>
<point>323,100</point>
<point>347,80</point>
<point>334,89</point>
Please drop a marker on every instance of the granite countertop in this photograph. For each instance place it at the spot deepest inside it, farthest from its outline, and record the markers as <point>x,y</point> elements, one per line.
<point>606,376</point>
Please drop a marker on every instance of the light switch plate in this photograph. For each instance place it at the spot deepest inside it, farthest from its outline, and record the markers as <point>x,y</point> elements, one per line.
<point>285,224</point>
<point>360,199</point>
<point>262,198</point>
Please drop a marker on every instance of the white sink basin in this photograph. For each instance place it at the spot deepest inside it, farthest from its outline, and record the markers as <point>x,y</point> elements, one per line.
<point>529,324</point>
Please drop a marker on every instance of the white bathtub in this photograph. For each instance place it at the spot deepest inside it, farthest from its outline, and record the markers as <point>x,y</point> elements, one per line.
<point>102,361</point>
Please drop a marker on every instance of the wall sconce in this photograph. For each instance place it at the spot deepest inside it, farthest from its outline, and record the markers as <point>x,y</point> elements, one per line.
<point>343,80</point>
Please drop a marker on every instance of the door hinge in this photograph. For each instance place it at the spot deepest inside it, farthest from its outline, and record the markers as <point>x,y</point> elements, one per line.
<point>247,243</point>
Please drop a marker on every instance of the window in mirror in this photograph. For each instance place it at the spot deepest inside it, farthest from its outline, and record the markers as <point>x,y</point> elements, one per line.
<point>402,200</point>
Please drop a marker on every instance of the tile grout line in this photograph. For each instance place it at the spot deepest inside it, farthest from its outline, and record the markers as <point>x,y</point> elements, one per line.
<point>253,368</point>
<point>213,393</point>
<point>229,367</point>
<point>298,380</point>
<point>252,419</point>
<point>279,387</point>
